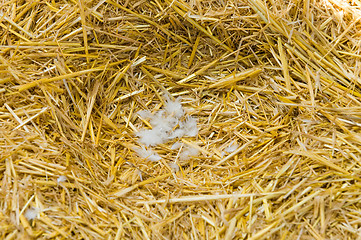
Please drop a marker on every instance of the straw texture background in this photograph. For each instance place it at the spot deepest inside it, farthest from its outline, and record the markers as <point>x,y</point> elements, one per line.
<point>280,79</point>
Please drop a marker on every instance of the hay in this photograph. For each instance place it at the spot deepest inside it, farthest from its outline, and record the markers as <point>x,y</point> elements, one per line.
<point>274,86</point>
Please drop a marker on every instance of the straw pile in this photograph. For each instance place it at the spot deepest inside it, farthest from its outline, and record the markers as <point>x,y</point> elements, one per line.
<point>274,87</point>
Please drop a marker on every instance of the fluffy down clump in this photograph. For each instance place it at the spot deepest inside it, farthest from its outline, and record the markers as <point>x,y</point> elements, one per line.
<point>61,179</point>
<point>148,154</point>
<point>189,126</point>
<point>231,147</point>
<point>151,137</point>
<point>188,152</point>
<point>174,108</point>
<point>162,126</point>
<point>32,213</point>
<point>166,125</point>
<point>176,146</point>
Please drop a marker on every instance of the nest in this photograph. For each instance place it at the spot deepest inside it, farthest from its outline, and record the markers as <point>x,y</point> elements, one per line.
<point>272,86</point>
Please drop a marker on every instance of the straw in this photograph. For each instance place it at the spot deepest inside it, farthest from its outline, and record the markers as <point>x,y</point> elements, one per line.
<point>249,111</point>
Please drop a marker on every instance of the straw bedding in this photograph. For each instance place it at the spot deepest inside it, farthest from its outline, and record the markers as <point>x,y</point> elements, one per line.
<point>273,87</point>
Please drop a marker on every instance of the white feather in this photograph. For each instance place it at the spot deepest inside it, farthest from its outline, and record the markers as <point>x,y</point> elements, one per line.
<point>32,213</point>
<point>145,114</point>
<point>164,128</point>
<point>61,179</point>
<point>163,123</point>
<point>151,137</point>
<point>174,108</point>
<point>174,166</point>
<point>154,157</point>
<point>189,127</point>
<point>231,147</point>
<point>188,152</point>
<point>178,133</point>
<point>176,145</point>
<point>147,154</point>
